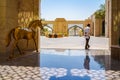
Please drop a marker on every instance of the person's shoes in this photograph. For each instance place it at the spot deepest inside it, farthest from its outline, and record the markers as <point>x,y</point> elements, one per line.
<point>88,46</point>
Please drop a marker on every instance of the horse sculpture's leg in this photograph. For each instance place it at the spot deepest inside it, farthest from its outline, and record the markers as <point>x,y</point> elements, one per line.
<point>35,44</point>
<point>12,50</point>
<point>18,48</point>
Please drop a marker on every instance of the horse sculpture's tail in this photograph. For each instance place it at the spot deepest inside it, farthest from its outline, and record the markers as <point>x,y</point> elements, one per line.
<point>9,37</point>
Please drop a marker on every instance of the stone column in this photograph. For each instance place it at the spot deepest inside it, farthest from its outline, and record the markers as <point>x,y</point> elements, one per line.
<point>115,30</point>
<point>98,27</point>
<point>108,20</point>
<point>107,17</point>
<point>115,23</point>
<point>2,24</point>
<point>8,20</point>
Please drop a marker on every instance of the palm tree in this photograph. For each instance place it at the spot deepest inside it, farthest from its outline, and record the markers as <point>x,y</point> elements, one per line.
<point>100,13</point>
<point>44,30</point>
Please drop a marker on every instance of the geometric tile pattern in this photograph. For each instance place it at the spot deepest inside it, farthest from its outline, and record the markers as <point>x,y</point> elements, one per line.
<point>46,73</point>
<point>19,73</point>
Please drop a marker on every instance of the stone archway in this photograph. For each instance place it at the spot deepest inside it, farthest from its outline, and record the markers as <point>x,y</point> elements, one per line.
<point>47,30</point>
<point>76,28</point>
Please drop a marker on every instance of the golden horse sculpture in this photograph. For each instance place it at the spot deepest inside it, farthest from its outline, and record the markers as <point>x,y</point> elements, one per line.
<point>28,33</point>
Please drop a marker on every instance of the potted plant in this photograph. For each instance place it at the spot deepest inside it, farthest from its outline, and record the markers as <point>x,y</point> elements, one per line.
<point>50,35</point>
<point>55,35</point>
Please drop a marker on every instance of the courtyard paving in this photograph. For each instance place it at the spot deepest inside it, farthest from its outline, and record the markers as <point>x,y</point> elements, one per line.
<point>27,67</point>
<point>74,42</point>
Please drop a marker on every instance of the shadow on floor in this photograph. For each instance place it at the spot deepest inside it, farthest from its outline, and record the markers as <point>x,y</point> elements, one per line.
<point>30,58</point>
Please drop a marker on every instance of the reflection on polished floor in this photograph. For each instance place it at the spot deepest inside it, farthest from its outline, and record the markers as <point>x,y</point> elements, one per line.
<point>62,64</point>
<point>67,64</point>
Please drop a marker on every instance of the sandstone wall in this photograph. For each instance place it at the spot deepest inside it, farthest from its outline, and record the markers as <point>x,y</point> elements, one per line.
<point>8,20</point>
<point>14,13</point>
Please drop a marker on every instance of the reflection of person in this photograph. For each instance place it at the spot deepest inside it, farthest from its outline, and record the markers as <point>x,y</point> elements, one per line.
<point>87,36</point>
<point>87,61</point>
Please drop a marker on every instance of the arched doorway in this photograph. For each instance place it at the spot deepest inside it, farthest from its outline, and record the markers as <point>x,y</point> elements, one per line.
<point>47,30</point>
<point>75,30</point>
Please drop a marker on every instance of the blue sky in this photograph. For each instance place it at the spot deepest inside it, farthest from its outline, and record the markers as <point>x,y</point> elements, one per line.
<point>69,9</point>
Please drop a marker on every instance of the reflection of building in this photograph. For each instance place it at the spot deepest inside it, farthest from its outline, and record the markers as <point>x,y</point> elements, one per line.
<point>103,58</point>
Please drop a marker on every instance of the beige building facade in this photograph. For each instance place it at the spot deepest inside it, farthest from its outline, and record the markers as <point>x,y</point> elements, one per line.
<point>61,25</point>
<point>8,20</point>
<point>97,26</point>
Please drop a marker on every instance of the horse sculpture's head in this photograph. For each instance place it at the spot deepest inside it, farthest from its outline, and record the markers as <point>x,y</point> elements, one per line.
<point>40,24</point>
<point>35,24</point>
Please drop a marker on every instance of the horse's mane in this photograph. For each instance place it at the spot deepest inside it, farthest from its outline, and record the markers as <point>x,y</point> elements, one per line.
<point>29,26</point>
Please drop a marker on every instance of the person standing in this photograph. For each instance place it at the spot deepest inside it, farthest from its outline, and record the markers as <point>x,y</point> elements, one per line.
<point>87,36</point>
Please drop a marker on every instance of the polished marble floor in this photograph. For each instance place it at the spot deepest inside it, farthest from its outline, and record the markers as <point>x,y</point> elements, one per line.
<point>62,64</point>
<point>68,64</point>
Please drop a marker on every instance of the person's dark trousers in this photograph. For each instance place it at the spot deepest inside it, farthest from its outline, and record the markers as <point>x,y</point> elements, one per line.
<point>87,43</point>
